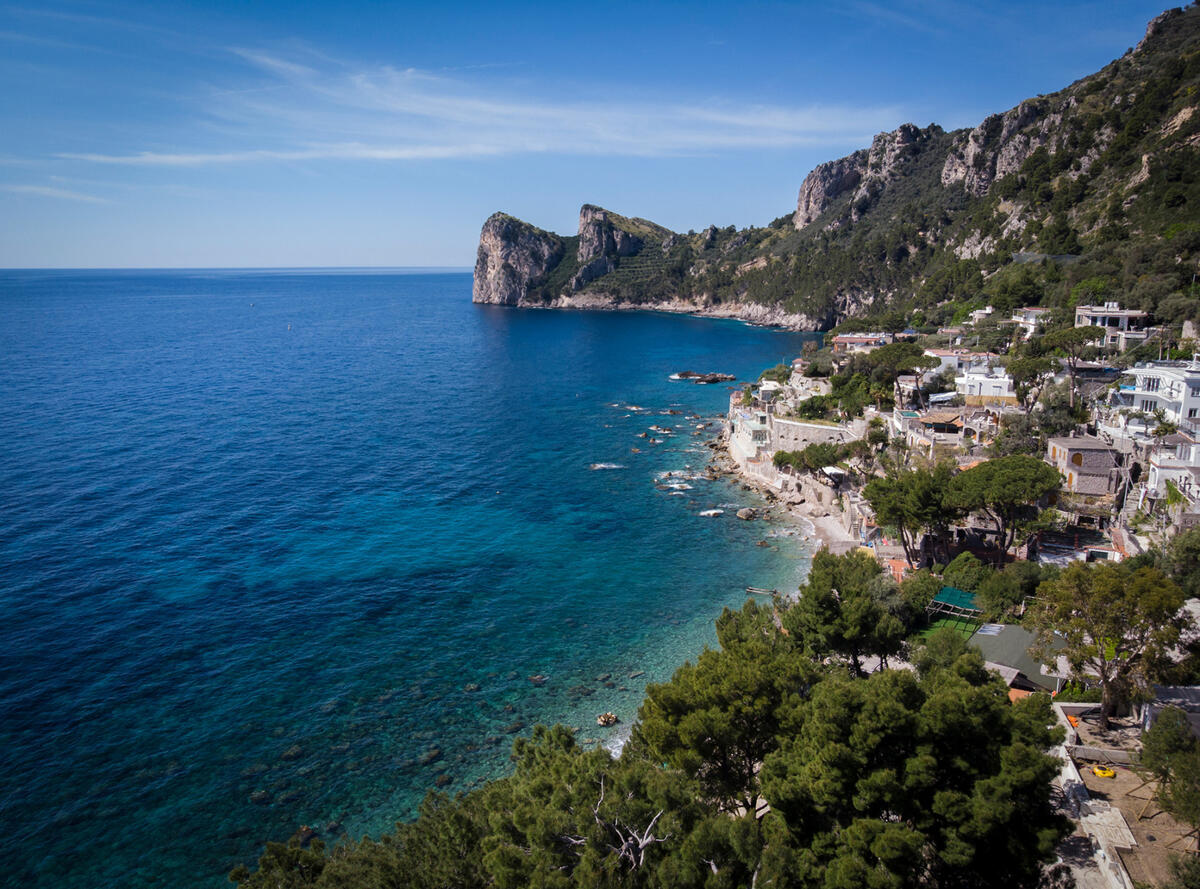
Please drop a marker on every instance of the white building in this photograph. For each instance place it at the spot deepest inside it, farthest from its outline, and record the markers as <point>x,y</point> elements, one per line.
<point>1123,327</point>
<point>959,360</point>
<point>1175,462</point>
<point>1170,386</point>
<point>985,386</point>
<point>847,343</point>
<point>1030,319</point>
<point>979,314</point>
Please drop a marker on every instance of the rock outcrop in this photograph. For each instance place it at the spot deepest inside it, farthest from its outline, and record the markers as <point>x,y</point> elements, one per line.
<point>826,183</point>
<point>512,257</point>
<point>998,146</point>
<point>864,173</point>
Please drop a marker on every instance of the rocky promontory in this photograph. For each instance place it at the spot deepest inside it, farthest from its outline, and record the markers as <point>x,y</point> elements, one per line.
<point>922,220</point>
<point>513,256</point>
<point>614,262</point>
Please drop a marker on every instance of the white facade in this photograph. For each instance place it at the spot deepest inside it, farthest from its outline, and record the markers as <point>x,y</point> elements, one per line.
<point>1176,460</point>
<point>1170,386</point>
<point>959,360</point>
<point>1030,319</point>
<point>985,386</point>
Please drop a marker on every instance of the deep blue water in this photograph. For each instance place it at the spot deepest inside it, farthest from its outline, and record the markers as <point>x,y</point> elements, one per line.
<point>261,534</point>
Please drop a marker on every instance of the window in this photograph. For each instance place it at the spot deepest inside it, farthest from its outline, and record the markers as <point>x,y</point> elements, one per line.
<point>1077,459</point>
<point>1152,384</point>
<point>1195,391</point>
<point>1191,413</point>
<point>1149,404</point>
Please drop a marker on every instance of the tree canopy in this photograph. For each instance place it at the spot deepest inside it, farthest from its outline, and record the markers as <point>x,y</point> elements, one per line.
<point>1005,490</point>
<point>765,763</point>
<point>913,501</point>
<point>1076,343</point>
<point>840,611</point>
<point>898,781</point>
<point>1118,622</point>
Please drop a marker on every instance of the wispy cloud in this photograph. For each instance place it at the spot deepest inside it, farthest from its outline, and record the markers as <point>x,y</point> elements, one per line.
<point>327,152</point>
<point>880,14</point>
<point>312,108</point>
<point>46,191</point>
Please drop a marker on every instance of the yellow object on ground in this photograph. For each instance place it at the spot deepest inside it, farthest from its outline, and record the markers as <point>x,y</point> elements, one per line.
<point>1103,772</point>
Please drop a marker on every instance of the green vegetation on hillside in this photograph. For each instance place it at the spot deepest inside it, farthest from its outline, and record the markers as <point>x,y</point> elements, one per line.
<point>1106,206</point>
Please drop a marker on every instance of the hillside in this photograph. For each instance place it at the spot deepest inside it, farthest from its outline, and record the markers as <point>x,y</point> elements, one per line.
<point>1091,192</point>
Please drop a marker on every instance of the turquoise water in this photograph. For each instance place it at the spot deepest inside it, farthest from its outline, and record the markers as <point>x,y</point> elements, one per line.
<point>283,548</point>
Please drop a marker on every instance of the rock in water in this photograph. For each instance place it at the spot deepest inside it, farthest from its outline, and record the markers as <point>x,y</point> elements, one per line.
<point>746,513</point>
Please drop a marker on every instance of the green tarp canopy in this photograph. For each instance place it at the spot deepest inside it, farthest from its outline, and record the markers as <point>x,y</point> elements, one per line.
<point>952,600</point>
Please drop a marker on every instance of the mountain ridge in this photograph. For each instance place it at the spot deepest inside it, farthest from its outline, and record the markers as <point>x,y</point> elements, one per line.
<point>1101,180</point>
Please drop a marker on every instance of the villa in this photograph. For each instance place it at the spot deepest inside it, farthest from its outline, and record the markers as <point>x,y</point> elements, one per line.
<point>1123,327</point>
<point>1170,386</point>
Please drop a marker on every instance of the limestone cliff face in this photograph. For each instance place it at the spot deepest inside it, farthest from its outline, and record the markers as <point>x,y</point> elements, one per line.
<point>825,184</point>
<point>512,256</point>
<point>999,145</point>
<point>600,236</point>
<point>863,174</point>
<point>601,241</point>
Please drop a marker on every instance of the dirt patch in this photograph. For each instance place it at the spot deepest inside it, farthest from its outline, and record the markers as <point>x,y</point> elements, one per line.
<point>1157,834</point>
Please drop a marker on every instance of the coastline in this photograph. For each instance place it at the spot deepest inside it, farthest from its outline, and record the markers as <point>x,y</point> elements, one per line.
<point>825,519</point>
<point>751,313</point>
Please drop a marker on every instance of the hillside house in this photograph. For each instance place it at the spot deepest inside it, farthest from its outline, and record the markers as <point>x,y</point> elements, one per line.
<point>1089,465</point>
<point>1123,327</point>
<point>849,343</point>
<point>1030,319</point>
<point>1170,386</point>
<point>985,386</point>
<point>1175,462</point>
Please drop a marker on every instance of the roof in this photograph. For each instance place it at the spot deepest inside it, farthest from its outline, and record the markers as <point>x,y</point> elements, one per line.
<point>942,417</point>
<point>1008,674</point>
<point>1177,438</point>
<point>1111,309</point>
<point>1185,697</point>
<point>950,595</point>
<point>1008,645</point>
<point>1082,443</point>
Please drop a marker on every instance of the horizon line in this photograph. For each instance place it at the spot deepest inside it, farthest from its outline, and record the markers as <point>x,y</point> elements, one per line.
<point>243,268</point>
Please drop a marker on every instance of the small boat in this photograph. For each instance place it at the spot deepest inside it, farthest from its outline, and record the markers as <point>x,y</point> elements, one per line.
<point>607,719</point>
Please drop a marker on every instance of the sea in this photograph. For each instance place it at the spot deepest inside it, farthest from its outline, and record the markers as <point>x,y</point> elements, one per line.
<point>295,547</point>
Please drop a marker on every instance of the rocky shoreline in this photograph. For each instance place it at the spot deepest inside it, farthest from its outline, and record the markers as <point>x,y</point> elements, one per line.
<point>751,313</point>
<point>827,528</point>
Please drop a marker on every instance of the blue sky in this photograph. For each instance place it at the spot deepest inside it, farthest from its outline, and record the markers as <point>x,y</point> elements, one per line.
<point>237,134</point>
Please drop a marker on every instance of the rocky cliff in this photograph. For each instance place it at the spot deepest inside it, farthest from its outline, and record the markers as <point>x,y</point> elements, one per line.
<point>513,256</point>
<point>864,174</point>
<point>1101,180</point>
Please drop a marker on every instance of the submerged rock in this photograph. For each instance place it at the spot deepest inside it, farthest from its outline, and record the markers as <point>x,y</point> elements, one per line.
<point>433,754</point>
<point>306,834</point>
